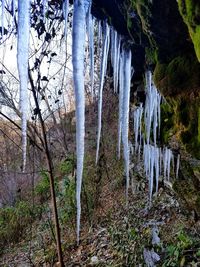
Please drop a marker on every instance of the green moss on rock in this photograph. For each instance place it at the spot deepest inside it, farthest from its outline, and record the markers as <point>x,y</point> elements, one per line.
<point>190,11</point>
<point>181,74</point>
<point>187,187</point>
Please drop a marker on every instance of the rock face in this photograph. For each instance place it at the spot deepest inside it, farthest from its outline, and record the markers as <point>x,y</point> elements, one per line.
<point>190,11</point>
<point>165,37</point>
<point>188,187</point>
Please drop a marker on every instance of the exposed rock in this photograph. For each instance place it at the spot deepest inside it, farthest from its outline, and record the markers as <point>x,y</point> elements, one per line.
<point>187,187</point>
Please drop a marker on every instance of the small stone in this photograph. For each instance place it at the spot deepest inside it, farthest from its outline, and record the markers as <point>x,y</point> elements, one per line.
<point>94,260</point>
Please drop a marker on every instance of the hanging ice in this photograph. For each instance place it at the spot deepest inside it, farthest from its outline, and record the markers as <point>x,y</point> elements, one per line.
<point>44,8</point>
<point>90,31</point>
<point>115,56</point>
<point>13,8</point>
<point>65,14</point>
<point>167,157</point>
<point>78,52</point>
<point>2,17</point>
<point>102,76</point>
<point>22,63</point>
<point>121,89</point>
<point>177,165</point>
<point>125,115</point>
<point>151,166</point>
<point>137,117</point>
<point>99,37</point>
<point>152,109</point>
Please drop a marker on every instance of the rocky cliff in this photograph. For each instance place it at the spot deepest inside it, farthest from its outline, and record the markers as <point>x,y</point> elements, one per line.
<point>165,37</point>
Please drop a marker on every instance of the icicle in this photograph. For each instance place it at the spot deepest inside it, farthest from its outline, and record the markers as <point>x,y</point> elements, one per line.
<point>169,156</point>
<point>44,8</point>
<point>13,8</point>
<point>152,159</point>
<point>125,117</point>
<point>22,62</point>
<point>137,115</point>
<point>177,165</point>
<point>102,76</point>
<point>165,162</point>
<point>157,167</point>
<point>160,160</point>
<point>152,108</point>
<point>65,14</point>
<point>99,38</point>
<point>115,60</point>
<point>90,30</point>
<point>78,50</point>
<point>2,17</point>
<point>115,56</point>
<point>140,129</point>
<point>121,89</point>
<point>152,166</point>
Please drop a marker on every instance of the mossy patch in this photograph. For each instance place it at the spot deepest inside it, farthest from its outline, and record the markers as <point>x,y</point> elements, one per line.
<point>181,74</point>
<point>167,122</point>
<point>187,187</point>
<point>190,11</point>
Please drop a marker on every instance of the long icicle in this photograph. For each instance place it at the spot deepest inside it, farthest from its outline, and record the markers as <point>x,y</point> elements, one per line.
<point>78,52</point>
<point>102,76</point>
<point>2,17</point>
<point>65,13</point>
<point>90,30</point>
<point>22,62</point>
<point>125,120</point>
<point>121,88</point>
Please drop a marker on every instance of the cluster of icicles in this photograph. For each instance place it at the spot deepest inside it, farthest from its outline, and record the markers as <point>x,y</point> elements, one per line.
<point>108,40</point>
<point>83,22</point>
<point>121,60</point>
<point>157,161</point>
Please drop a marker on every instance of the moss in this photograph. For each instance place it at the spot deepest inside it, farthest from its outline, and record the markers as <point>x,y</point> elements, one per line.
<point>188,117</point>
<point>198,125</point>
<point>190,11</point>
<point>159,73</point>
<point>151,55</point>
<point>187,187</point>
<point>183,113</point>
<point>182,73</point>
<point>167,122</point>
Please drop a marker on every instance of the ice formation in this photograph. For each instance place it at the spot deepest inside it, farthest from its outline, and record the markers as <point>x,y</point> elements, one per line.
<point>104,58</point>
<point>121,89</point>
<point>177,165</point>
<point>115,56</point>
<point>90,32</point>
<point>78,55</point>
<point>2,17</point>
<point>137,117</point>
<point>65,14</point>
<point>22,62</point>
<point>125,114</point>
<point>152,109</point>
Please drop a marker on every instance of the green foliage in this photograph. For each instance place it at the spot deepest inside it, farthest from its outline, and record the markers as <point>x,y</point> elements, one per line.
<point>66,167</point>
<point>167,122</point>
<point>67,200</point>
<point>175,253</point>
<point>190,11</point>
<point>13,222</point>
<point>151,55</point>
<point>42,189</point>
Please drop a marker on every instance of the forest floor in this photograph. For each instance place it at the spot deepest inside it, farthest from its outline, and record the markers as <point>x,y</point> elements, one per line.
<point>113,234</point>
<point>120,235</point>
